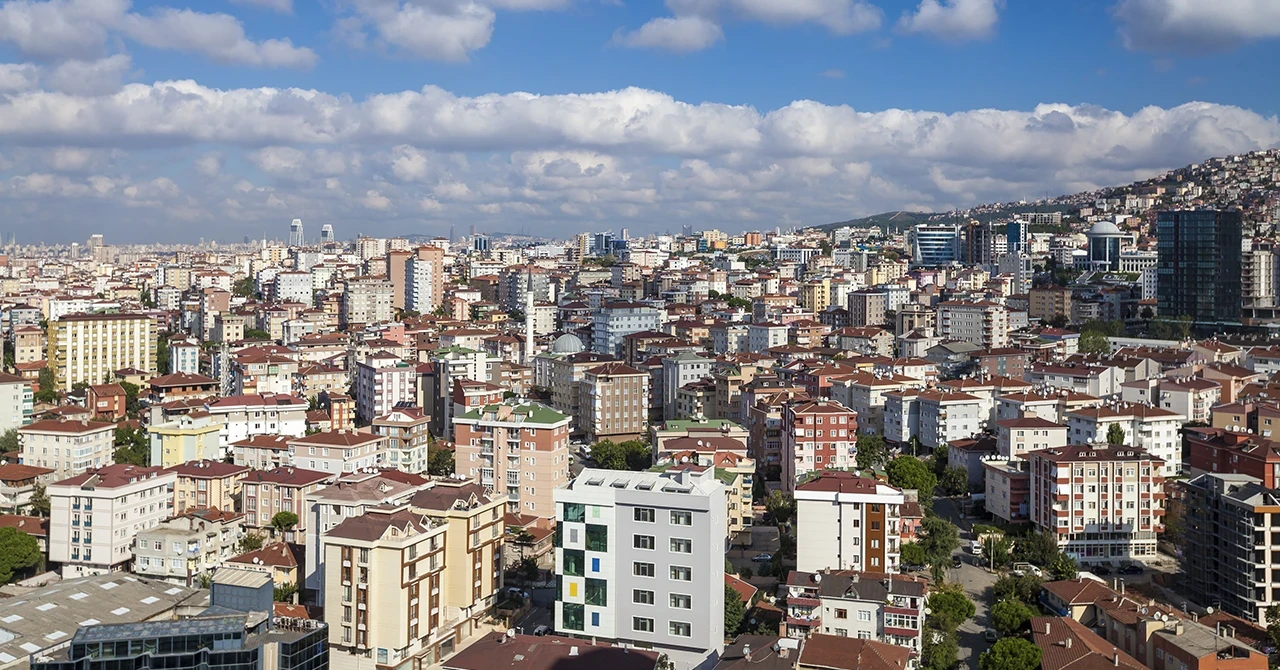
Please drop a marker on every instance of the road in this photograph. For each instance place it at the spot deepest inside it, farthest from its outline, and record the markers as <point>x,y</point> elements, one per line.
<point>976,581</point>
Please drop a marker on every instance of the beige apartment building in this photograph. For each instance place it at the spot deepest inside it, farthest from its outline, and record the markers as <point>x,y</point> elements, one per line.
<point>516,450</point>
<point>94,517</point>
<point>411,581</point>
<point>338,451</point>
<point>28,344</point>
<point>285,489</point>
<point>615,402</point>
<point>207,483</point>
<point>67,447</point>
<point>406,432</point>
<point>91,347</point>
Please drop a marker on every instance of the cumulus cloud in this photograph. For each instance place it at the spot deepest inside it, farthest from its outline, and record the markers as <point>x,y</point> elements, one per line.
<point>444,30</point>
<point>98,77</point>
<point>564,161</point>
<point>696,24</point>
<point>680,34</point>
<point>18,77</point>
<point>58,30</point>
<point>1195,25</point>
<point>953,20</point>
<point>281,6</point>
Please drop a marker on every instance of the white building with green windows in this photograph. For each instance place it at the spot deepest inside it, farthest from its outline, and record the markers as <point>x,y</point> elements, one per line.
<point>640,560</point>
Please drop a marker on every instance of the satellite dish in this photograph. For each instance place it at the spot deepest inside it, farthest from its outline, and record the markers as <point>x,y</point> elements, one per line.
<point>511,632</point>
<point>1208,610</point>
<point>1164,617</point>
<point>1143,610</point>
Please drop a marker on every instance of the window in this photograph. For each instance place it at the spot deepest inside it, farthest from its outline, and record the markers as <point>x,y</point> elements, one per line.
<point>680,601</point>
<point>681,573</point>
<point>641,624</point>
<point>679,629</point>
<point>864,615</point>
<point>642,597</point>
<point>597,538</point>
<point>574,512</point>
<point>574,563</point>
<point>597,592</point>
<point>642,541</point>
<point>595,619</point>
<point>681,546</point>
<point>572,616</point>
<point>842,614</point>
<point>644,514</point>
<point>682,518</point>
<point>642,569</point>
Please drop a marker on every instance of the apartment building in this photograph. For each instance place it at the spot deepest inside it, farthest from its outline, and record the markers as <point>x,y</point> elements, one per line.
<point>864,393</point>
<point>1231,522</point>
<point>561,372</point>
<point>17,401</point>
<point>193,543</point>
<point>875,606</point>
<point>983,323</point>
<point>366,300</point>
<point>1104,504</point>
<point>113,504</point>
<point>180,386</point>
<point>188,437</point>
<point>406,431</point>
<point>946,417</point>
<point>1015,437</point>
<point>640,560</point>
<point>207,483</point>
<point>245,416</point>
<point>338,451</point>
<point>613,321</point>
<point>89,348</point>
<point>28,344</point>
<point>615,402</point>
<point>424,280</point>
<point>817,435</point>
<point>517,450</point>
<point>1156,430</point>
<point>846,522</point>
<point>285,489</point>
<point>67,447</point>
<point>349,496</point>
<point>1007,485</point>
<point>383,381</point>
<point>17,482</point>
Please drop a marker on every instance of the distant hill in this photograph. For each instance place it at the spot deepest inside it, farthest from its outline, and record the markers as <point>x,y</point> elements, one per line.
<point>900,221</point>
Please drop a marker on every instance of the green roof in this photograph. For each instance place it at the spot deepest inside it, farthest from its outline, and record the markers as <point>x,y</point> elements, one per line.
<point>726,476</point>
<point>686,424</point>
<point>533,413</point>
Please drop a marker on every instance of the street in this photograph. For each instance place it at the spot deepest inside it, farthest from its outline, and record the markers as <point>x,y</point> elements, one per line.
<point>975,581</point>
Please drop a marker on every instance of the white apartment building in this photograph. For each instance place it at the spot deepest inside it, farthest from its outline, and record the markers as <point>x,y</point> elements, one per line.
<point>983,323</point>
<point>640,560</point>
<point>17,402</point>
<point>846,522</point>
<point>864,605</point>
<point>864,393</point>
<point>180,549</point>
<point>615,320</point>
<point>245,416</point>
<point>764,336</point>
<point>424,280</point>
<point>184,356</point>
<point>1154,429</point>
<point>947,417</point>
<point>91,347</point>
<point>293,287</point>
<point>94,517</point>
<point>366,300</point>
<point>1104,504</point>
<point>67,447</point>
<point>1015,437</point>
<point>338,451</point>
<point>383,380</point>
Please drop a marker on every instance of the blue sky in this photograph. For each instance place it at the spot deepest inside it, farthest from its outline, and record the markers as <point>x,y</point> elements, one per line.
<point>155,120</point>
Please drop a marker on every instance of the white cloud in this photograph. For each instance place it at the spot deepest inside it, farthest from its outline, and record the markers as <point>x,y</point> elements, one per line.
<point>444,30</point>
<point>843,17</point>
<point>680,34</point>
<point>954,20</point>
<point>18,77</point>
<point>280,6</point>
<point>99,77</point>
<point>375,200</point>
<point>1195,25</point>
<point>209,165</point>
<point>80,29</point>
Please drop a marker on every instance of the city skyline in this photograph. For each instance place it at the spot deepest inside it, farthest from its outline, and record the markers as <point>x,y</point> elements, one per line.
<point>151,122</point>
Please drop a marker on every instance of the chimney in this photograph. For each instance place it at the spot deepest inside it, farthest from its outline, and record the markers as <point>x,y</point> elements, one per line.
<point>1115,660</point>
<point>1047,627</point>
<point>1067,643</point>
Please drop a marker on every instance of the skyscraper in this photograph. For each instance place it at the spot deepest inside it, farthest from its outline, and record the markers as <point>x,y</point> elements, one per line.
<point>934,243</point>
<point>326,234</point>
<point>1199,265</point>
<point>296,238</point>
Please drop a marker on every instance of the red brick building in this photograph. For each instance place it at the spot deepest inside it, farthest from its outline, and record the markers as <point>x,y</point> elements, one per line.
<point>817,435</point>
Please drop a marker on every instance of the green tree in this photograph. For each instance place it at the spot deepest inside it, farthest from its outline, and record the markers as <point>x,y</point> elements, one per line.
<point>940,651</point>
<point>664,663</point>
<point>1025,589</point>
<point>938,538</point>
<point>1062,566</point>
<point>132,446</point>
<point>734,611</point>
<point>871,452</point>
<point>1115,435</point>
<point>913,554</point>
<point>954,481</point>
<point>162,353</point>
<point>1273,625</point>
<point>439,461</point>
<point>1009,616</point>
<point>527,569</point>
<point>1035,548</point>
<point>48,392</point>
<point>941,459</point>
<point>948,608</point>
<point>285,593</point>
<point>244,288</point>
<point>18,551</point>
<point>631,455</point>
<point>909,472</point>
<point>780,506</point>
<point>995,551</point>
<point>284,521</point>
<point>256,334</point>
<point>1094,342</point>
<point>250,542</point>
<point>1011,653</point>
<point>131,404</point>
<point>9,441</point>
<point>39,505</point>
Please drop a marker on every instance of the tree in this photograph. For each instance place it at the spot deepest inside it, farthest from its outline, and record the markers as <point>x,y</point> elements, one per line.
<point>941,459</point>
<point>780,506</point>
<point>39,505</point>
<point>1063,567</point>
<point>18,551</point>
<point>948,608</point>
<point>1094,343</point>
<point>250,542</point>
<point>938,538</point>
<point>871,452</point>
<point>284,593</point>
<point>48,392</point>
<point>1115,435</point>
<point>9,441</point>
<point>1009,616</point>
<point>909,472</point>
<point>244,288</point>
<point>996,551</point>
<point>439,461</point>
<point>633,455</point>
<point>1273,625</point>
<point>1035,548</point>
<point>132,446</point>
<point>954,481</point>
<point>1025,589</point>
<point>527,569</point>
<point>131,404</point>
<point>913,554</point>
<point>284,521</point>
<point>734,610</point>
<point>256,334</point>
<point>664,663</point>
<point>940,651</point>
<point>162,353</point>
<point>1011,653</point>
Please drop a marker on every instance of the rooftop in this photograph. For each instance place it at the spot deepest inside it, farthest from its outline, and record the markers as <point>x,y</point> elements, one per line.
<point>526,652</point>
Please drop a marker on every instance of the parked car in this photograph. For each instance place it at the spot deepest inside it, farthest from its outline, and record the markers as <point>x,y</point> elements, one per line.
<point>762,558</point>
<point>990,635</point>
<point>542,630</point>
<point>1132,569</point>
<point>914,568</point>
<point>956,562</point>
<point>1100,570</point>
<point>1020,569</point>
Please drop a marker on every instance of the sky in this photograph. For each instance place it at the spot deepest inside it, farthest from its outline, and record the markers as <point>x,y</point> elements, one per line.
<point>170,122</point>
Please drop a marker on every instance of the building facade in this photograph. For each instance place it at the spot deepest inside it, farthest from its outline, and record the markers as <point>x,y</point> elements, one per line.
<point>89,348</point>
<point>846,522</point>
